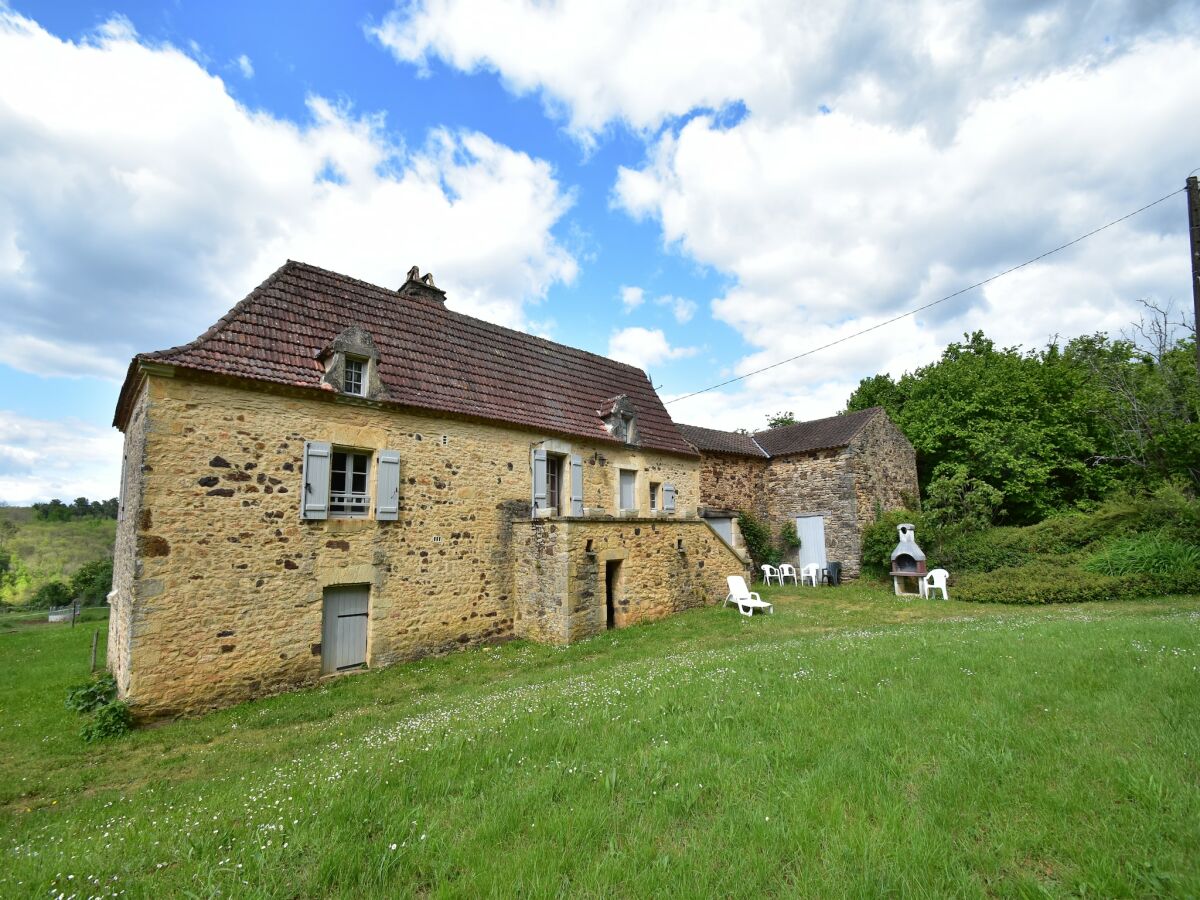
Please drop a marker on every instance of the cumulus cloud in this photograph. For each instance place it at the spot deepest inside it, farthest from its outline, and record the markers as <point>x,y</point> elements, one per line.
<point>643,63</point>
<point>41,460</point>
<point>681,308</point>
<point>245,66</point>
<point>631,297</point>
<point>139,201</point>
<point>644,347</point>
<point>833,223</point>
<point>844,162</point>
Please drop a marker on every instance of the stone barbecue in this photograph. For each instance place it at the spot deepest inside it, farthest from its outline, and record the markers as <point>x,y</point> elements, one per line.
<point>908,560</point>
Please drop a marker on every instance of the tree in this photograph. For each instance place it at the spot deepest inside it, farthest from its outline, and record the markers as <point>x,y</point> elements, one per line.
<point>52,593</point>
<point>780,419</point>
<point>983,417</point>
<point>92,581</point>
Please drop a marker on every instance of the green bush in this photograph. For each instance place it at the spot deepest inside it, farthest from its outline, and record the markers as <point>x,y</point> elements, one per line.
<point>1153,553</point>
<point>111,720</point>
<point>757,536</point>
<point>1048,582</point>
<point>92,694</point>
<point>52,593</point>
<point>788,539</point>
<point>92,581</point>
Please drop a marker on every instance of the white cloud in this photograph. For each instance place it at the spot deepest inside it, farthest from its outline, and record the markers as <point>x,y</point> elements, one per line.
<point>831,223</point>
<point>642,63</point>
<point>139,201</point>
<point>245,66</point>
<point>644,347</point>
<point>632,297</point>
<point>681,309</point>
<point>41,460</point>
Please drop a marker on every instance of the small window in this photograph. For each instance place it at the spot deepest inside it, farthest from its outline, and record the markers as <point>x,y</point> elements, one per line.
<point>628,485</point>
<point>348,495</point>
<point>654,486</point>
<point>554,480</point>
<point>354,377</point>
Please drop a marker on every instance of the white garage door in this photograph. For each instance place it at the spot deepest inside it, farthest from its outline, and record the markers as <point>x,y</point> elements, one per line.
<point>811,531</point>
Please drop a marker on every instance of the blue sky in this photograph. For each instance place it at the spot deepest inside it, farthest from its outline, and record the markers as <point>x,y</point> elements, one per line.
<point>698,188</point>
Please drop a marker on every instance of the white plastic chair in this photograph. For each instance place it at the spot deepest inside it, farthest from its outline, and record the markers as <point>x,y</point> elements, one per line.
<point>770,572</point>
<point>747,600</point>
<point>811,573</point>
<point>788,571</point>
<point>935,581</point>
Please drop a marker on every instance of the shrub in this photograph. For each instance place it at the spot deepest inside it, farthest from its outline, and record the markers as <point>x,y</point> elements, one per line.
<point>52,593</point>
<point>788,539</point>
<point>111,720</point>
<point>92,694</point>
<point>1154,553</point>
<point>92,582</point>
<point>757,536</point>
<point>957,500</point>
<point>1047,582</point>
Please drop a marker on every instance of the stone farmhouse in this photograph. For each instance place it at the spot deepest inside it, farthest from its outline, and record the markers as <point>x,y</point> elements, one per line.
<point>831,477</point>
<point>339,475</point>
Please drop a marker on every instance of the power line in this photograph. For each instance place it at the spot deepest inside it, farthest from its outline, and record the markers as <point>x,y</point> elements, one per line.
<point>913,312</point>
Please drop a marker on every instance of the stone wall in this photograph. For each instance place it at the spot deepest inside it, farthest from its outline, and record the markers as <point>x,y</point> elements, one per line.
<point>819,483</point>
<point>885,469</point>
<point>734,482</point>
<point>561,570</point>
<point>125,557</point>
<point>846,485</point>
<point>224,582</point>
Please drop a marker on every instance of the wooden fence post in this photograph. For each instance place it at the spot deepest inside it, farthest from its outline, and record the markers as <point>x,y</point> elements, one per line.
<point>95,639</point>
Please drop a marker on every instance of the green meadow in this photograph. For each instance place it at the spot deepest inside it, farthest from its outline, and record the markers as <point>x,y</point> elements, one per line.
<point>850,744</point>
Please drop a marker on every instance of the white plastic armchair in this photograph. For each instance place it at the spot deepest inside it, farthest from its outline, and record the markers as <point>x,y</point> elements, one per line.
<point>770,572</point>
<point>745,599</point>
<point>788,571</point>
<point>935,581</point>
<point>811,574</point>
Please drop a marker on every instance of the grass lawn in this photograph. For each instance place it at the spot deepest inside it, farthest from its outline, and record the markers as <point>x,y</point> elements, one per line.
<point>850,744</point>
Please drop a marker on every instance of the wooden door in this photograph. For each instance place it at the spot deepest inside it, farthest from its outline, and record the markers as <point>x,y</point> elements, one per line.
<point>811,531</point>
<point>344,637</point>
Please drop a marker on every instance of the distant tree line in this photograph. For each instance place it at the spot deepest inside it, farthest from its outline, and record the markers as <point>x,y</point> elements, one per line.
<point>1005,436</point>
<point>80,508</point>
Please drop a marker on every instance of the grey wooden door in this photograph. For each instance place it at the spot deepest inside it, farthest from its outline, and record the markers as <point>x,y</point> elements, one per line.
<point>723,527</point>
<point>811,531</point>
<point>344,637</point>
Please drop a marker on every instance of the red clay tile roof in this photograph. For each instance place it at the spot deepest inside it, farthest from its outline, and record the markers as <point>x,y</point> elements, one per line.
<point>819,434</point>
<point>709,440</point>
<point>430,357</point>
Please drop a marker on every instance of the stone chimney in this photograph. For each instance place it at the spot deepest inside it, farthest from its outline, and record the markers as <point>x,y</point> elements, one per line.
<point>421,287</point>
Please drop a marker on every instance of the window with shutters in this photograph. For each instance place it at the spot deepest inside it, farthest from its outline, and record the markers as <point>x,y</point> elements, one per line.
<point>557,480</point>
<point>554,483</point>
<point>349,496</point>
<point>654,486</point>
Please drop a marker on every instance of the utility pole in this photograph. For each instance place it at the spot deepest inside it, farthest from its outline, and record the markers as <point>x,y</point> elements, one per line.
<point>1193,201</point>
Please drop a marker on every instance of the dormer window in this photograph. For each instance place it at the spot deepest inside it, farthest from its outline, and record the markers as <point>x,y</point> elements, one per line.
<point>351,364</point>
<point>354,377</point>
<point>620,419</point>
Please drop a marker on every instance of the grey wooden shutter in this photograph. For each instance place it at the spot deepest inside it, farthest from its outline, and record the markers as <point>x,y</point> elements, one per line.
<point>314,500</point>
<point>539,479</point>
<point>668,497</point>
<point>576,485</point>
<point>387,486</point>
